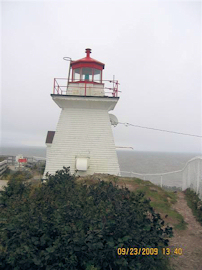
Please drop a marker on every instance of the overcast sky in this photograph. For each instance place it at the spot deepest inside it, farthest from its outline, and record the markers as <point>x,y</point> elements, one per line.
<point>152,47</point>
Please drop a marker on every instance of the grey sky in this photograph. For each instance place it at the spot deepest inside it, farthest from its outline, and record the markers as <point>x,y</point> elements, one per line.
<point>152,47</point>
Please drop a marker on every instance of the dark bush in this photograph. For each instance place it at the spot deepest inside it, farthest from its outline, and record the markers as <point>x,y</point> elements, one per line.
<point>42,168</point>
<point>194,203</point>
<point>63,224</point>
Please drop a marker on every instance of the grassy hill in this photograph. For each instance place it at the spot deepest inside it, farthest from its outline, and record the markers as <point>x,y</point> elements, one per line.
<point>160,199</point>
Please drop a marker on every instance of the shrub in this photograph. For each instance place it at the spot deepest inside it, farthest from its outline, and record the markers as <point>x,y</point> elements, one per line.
<point>63,224</point>
<point>16,175</point>
<point>42,168</point>
<point>194,203</point>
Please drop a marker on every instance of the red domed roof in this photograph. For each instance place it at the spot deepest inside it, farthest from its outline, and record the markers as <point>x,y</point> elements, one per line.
<point>87,62</point>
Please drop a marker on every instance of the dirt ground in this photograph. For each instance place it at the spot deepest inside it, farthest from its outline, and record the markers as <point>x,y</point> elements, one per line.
<point>190,240</point>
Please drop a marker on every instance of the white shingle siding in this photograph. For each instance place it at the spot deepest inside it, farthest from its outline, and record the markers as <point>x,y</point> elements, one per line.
<point>83,131</point>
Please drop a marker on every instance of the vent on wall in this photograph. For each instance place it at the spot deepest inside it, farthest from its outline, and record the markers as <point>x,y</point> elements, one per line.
<point>82,164</point>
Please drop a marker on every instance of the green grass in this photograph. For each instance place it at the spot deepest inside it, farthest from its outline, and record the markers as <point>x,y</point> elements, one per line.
<point>3,158</point>
<point>162,202</point>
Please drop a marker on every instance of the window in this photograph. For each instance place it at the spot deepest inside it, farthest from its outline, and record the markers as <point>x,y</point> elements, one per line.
<point>86,74</point>
<point>76,74</point>
<point>97,75</point>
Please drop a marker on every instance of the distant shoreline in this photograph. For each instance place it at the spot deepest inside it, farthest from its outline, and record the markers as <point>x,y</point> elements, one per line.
<point>25,151</point>
<point>141,162</point>
<point>41,151</point>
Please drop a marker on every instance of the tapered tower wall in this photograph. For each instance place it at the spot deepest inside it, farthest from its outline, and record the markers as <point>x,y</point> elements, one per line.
<point>83,131</point>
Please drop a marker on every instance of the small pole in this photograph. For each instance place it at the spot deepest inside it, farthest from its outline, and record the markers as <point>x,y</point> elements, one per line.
<point>70,60</point>
<point>198,177</point>
<point>69,72</point>
<point>113,94</point>
<point>113,82</point>
<point>161,181</point>
<point>188,176</point>
<point>184,184</point>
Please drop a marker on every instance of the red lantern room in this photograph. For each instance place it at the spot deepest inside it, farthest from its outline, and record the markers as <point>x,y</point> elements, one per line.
<point>85,79</point>
<point>87,69</point>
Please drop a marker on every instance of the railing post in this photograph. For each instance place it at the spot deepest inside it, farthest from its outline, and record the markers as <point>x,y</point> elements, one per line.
<point>113,85</point>
<point>161,181</point>
<point>198,177</point>
<point>188,176</point>
<point>184,182</point>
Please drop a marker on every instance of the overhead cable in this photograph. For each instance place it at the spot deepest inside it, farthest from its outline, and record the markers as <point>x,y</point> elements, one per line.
<point>180,133</point>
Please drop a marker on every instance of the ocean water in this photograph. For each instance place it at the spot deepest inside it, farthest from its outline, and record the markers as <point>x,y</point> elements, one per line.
<point>133,161</point>
<point>153,162</point>
<point>139,162</point>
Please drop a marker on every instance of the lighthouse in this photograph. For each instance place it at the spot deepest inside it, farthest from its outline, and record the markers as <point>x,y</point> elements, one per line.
<point>83,139</point>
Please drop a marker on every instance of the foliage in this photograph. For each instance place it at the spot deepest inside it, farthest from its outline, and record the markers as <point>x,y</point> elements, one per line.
<point>63,224</point>
<point>16,175</point>
<point>21,175</point>
<point>36,167</point>
<point>2,158</point>
<point>194,203</point>
<point>42,168</point>
<point>161,201</point>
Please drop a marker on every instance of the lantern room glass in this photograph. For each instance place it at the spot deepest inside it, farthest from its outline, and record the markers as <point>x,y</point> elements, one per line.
<point>97,75</point>
<point>76,74</point>
<point>87,74</point>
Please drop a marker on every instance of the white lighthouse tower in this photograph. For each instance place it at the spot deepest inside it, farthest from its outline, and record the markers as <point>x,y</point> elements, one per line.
<point>83,139</point>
